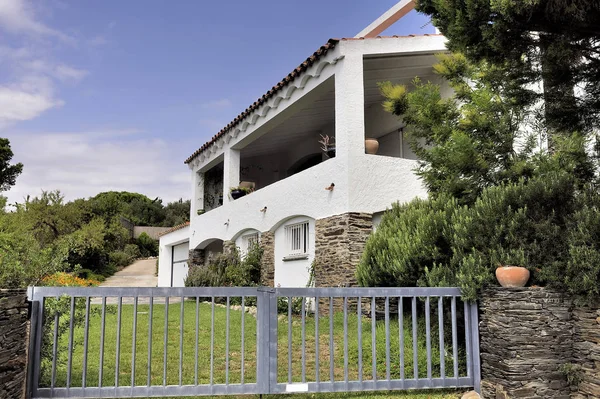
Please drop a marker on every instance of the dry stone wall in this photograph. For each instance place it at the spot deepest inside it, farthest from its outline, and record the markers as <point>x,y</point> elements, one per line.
<point>586,351</point>
<point>13,342</point>
<point>536,343</point>
<point>339,244</point>
<point>197,258</point>
<point>267,270</point>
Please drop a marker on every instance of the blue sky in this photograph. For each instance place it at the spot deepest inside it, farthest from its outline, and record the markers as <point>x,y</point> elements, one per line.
<point>114,95</point>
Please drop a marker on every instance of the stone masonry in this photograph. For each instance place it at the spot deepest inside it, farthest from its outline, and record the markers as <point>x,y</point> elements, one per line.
<point>13,342</point>
<point>339,244</point>
<point>197,258</point>
<point>526,339</point>
<point>267,272</point>
<point>586,351</point>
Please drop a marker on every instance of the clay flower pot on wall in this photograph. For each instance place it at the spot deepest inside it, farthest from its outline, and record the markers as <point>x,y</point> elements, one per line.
<point>512,276</point>
<point>371,146</point>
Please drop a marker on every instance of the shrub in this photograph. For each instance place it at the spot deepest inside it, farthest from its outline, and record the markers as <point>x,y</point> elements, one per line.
<point>62,279</point>
<point>147,245</point>
<point>119,258</point>
<point>545,224</point>
<point>228,270</point>
<point>133,251</point>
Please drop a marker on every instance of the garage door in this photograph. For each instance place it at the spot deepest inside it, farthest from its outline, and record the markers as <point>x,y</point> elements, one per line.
<point>179,264</point>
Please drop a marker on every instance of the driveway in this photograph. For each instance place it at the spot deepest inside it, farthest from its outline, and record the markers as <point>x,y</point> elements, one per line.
<point>139,274</point>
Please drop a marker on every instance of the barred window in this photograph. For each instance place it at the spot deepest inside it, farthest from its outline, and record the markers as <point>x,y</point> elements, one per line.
<point>296,238</point>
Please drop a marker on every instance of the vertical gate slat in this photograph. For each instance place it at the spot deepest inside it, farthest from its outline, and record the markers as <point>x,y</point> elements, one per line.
<point>360,341</point>
<point>373,341</point>
<point>243,339</point>
<point>166,338</point>
<point>133,345</point>
<point>118,345</point>
<point>414,331</point>
<point>303,310</point>
<point>428,336</point>
<point>289,301</point>
<point>387,338</point>
<point>441,336</point>
<point>331,376</point>
<point>317,377</point>
<point>454,338</point>
<point>181,321</point>
<point>476,356</point>
<point>226,343</point>
<point>55,346</point>
<point>401,334</point>
<point>70,358</point>
<point>212,340</point>
<point>85,341</point>
<point>150,318</point>
<point>468,338</point>
<point>102,329</point>
<point>346,340</point>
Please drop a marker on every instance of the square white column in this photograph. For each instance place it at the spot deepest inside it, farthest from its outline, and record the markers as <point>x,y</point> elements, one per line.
<point>197,193</point>
<point>350,108</point>
<point>231,171</point>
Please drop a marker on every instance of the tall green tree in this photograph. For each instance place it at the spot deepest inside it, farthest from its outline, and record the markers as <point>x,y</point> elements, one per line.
<point>554,44</point>
<point>8,172</point>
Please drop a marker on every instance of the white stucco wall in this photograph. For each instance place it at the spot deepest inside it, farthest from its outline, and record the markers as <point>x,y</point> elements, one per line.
<point>166,243</point>
<point>293,273</point>
<point>239,241</point>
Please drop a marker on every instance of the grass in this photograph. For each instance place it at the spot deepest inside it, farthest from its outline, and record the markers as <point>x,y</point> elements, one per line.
<point>172,375</point>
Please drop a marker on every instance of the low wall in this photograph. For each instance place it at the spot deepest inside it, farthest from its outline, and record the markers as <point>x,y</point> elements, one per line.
<point>536,344</point>
<point>153,232</point>
<point>13,342</point>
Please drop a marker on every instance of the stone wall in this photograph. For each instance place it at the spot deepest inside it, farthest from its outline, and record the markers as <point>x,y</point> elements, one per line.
<point>197,258</point>
<point>13,342</point>
<point>586,351</point>
<point>267,272</point>
<point>533,340</point>
<point>228,246</point>
<point>339,244</point>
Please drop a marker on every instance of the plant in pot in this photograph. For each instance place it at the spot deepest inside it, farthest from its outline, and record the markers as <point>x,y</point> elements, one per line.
<point>512,276</point>
<point>238,192</point>
<point>328,145</point>
<point>371,145</point>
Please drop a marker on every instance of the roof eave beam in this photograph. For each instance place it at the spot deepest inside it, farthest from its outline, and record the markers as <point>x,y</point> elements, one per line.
<point>390,17</point>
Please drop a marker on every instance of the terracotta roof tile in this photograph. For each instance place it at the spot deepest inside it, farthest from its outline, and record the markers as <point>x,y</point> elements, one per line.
<point>175,228</point>
<point>322,51</point>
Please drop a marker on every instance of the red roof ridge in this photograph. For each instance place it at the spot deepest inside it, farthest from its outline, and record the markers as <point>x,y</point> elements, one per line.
<point>174,228</point>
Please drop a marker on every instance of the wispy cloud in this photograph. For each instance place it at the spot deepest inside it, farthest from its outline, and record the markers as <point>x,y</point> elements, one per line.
<point>217,104</point>
<point>18,17</point>
<point>31,75</point>
<point>104,159</point>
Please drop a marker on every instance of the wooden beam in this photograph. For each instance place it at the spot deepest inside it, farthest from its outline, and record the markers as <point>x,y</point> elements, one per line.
<point>389,18</point>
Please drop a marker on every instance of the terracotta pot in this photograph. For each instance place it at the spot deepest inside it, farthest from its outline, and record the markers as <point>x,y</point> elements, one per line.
<point>512,276</point>
<point>371,146</point>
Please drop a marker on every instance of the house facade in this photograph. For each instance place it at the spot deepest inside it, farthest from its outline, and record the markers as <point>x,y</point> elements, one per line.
<point>310,205</point>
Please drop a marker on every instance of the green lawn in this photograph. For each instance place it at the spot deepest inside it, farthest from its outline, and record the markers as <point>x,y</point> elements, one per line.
<point>219,376</point>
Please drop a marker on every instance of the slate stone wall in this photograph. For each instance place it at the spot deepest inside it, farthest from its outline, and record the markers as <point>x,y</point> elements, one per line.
<point>586,351</point>
<point>339,244</point>
<point>13,342</point>
<point>197,258</point>
<point>531,338</point>
<point>267,270</point>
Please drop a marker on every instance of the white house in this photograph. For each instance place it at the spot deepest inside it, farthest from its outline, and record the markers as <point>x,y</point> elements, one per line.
<point>307,206</point>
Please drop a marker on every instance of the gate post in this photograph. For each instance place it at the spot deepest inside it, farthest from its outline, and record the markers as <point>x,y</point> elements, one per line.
<point>263,339</point>
<point>476,363</point>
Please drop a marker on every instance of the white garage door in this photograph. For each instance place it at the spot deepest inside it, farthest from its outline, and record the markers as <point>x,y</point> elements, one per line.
<point>179,264</point>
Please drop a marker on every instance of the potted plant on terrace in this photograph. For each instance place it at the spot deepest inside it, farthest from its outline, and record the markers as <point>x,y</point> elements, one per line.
<point>328,145</point>
<point>512,276</point>
<point>238,192</point>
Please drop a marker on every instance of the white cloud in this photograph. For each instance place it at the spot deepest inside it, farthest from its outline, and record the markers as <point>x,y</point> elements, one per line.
<point>217,104</point>
<point>18,105</point>
<point>82,164</point>
<point>67,73</point>
<point>18,17</point>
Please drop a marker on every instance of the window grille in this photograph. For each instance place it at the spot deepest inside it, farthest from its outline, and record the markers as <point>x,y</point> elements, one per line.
<point>296,237</point>
<point>248,241</point>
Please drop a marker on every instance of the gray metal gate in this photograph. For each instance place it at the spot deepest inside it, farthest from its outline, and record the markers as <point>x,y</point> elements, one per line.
<point>148,342</point>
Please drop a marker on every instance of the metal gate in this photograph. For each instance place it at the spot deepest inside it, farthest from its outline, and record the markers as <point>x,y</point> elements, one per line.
<point>149,342</point>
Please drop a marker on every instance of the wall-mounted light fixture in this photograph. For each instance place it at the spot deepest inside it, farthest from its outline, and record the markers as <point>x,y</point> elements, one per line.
<point>264,209</point>
<point>330,188</point>
<point>226,223</point>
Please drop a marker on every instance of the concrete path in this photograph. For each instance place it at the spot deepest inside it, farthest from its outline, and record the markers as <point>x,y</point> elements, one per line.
<point>138,274</point>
